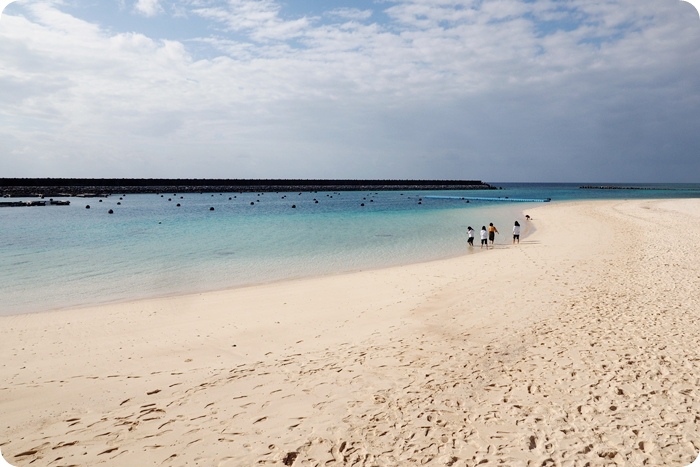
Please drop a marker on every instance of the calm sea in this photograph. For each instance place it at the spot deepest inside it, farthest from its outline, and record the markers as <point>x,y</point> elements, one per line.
<point>65,256</point>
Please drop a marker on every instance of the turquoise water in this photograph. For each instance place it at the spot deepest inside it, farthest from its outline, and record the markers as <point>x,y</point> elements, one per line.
<point>65,256</point>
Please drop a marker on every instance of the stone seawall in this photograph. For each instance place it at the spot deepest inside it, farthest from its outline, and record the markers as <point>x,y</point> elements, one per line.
<point>104,187</point>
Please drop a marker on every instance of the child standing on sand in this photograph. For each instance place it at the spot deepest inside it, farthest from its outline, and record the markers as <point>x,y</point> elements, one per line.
<point>516,232</point>
<point>470,234</point>
<point>484,237</point>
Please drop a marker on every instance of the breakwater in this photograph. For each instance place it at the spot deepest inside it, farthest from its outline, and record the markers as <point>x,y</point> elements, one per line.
<point>56,187</point>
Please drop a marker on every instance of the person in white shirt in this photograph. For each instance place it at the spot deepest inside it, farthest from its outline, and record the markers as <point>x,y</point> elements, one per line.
<point>516,232</point>
<point>470,233</point>
<point>484,237</point>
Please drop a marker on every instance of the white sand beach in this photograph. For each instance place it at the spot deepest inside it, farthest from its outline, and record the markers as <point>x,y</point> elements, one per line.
<point>576,347</point>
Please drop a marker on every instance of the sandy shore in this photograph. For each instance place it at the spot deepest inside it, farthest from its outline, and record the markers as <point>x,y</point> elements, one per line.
<point>576,347</point>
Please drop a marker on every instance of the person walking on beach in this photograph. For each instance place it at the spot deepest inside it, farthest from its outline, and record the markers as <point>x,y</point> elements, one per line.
<point>470,234</point>
<point>492,233</point>
<point>484,237</point>
<point>516,232</point>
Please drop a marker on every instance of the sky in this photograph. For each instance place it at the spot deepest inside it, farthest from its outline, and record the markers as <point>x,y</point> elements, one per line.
<point>492,90</point>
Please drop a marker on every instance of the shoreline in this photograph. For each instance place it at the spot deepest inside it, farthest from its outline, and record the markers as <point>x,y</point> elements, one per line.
<point>272,282</point>
<point>521,355</point>
<point>119,296</point>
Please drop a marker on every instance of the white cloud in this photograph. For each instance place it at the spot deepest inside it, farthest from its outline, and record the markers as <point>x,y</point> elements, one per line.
<point>259,18</point>
<point>148,7</point>
<point>535,86</point>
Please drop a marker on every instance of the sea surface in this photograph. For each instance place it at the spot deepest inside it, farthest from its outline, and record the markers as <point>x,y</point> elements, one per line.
<point>56,257</point>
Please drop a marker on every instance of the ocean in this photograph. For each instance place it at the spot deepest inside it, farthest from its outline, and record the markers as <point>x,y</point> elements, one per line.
<point>153,245</point>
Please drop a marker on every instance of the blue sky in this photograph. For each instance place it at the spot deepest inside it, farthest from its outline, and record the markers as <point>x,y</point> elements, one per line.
<point>497,90</point>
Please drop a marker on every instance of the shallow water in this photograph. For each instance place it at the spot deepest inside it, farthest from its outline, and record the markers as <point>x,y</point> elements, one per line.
<point>64,256</point>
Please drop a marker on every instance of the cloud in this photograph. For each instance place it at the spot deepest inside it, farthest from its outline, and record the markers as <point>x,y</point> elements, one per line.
<point>148,7</point>
<point>3,5</point>
<point>535,90</point>
<point>696,5</point>
<point>260,18</point>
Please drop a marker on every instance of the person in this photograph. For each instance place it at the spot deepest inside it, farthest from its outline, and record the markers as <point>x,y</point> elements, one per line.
<point>527,217</point>
<point>492,233</point>
<point>484,237</point>
<point>470,233</point>
<point>516,232</point>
